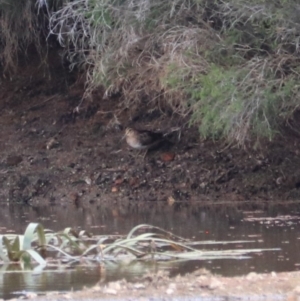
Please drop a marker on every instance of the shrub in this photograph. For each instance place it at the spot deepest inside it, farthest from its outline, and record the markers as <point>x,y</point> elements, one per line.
<point>231,64</point>
<point>239,102</point>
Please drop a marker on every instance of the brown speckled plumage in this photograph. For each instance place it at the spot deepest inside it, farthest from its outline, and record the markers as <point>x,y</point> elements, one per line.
<point>142,139</point>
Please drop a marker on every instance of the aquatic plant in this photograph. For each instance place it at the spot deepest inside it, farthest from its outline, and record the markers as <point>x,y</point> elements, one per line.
<point>143,242</point>
<point>30,245</point>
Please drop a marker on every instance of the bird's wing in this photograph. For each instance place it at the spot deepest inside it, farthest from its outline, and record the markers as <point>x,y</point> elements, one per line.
<point>148,138</point>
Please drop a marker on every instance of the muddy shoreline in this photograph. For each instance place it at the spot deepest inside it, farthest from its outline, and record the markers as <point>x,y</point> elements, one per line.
<point>52,153</point>
<point>199,285</point>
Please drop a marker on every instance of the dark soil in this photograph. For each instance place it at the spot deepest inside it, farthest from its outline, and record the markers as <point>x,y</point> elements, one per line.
<point>53,153</point>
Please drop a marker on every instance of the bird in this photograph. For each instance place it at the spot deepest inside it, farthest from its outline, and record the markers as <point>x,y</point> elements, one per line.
<point>142,139</point>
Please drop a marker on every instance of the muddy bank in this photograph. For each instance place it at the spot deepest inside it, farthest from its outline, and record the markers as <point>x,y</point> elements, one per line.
<point>53,153</point>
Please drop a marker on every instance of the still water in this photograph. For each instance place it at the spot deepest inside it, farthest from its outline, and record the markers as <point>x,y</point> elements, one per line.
<point>269,226</point>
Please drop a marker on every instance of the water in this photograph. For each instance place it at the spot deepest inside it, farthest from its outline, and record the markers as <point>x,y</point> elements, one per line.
<point>214,222</point>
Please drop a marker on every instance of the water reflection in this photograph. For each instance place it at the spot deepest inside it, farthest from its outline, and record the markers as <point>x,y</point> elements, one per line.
<point>14,283</point>
<point>216,222</point>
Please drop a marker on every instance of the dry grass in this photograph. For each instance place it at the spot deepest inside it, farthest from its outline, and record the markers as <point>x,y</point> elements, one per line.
<point>231,64</point>
<point>15,16</point>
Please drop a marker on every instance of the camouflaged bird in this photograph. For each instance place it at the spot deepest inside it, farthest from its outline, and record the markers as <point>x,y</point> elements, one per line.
<point>142,139</point>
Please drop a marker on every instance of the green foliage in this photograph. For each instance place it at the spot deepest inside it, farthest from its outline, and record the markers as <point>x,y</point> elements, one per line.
<point>214,99</point>
<point>97,13</point>
<point>16,248</point>
<point>235,103</point>
<point>173,76</point>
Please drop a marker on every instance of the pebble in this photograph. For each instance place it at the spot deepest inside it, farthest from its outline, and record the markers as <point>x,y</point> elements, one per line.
<point>139,286</point>
<point>251,276</point>
<point>110,291</point>
<point>215,283</point>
